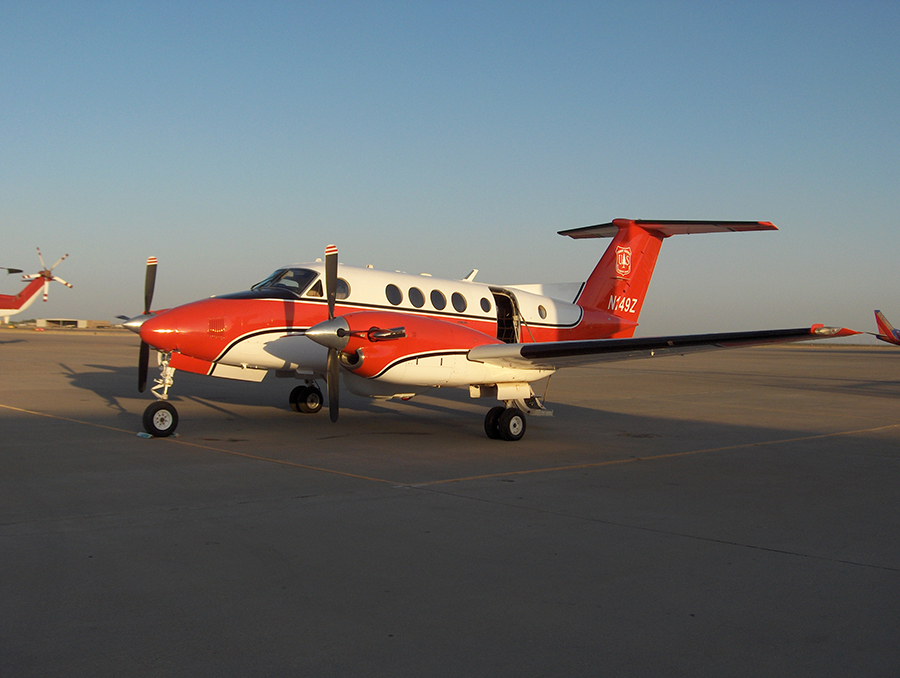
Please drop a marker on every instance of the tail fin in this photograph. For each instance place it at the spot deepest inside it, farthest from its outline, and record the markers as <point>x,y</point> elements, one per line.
<point>886,331</point>
<point>620,280</point>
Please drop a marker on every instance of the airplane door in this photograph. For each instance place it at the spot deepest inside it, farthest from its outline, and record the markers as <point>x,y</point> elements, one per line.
<point>508,323</point>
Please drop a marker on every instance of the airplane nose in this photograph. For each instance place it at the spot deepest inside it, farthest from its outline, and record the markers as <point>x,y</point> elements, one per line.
<point>197,329</point>
<point>159,330</point>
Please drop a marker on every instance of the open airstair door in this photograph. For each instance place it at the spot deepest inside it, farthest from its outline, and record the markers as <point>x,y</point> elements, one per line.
<point>508,319</point>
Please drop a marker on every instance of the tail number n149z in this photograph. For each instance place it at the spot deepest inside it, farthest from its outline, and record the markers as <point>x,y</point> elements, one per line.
<point>622,304</point>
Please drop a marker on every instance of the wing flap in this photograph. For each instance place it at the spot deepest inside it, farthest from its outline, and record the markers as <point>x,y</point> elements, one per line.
<point>558,354</point>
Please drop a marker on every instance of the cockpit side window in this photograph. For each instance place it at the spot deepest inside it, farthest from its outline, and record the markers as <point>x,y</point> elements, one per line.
<point>342,291</point>
<point>294,279</point>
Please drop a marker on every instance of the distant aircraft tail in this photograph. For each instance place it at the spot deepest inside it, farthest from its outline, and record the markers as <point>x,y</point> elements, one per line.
<point>620,280</point>
<point>886,331</point>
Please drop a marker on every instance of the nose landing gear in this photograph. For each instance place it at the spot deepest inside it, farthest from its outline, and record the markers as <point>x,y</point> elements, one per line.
<point>161,418</point>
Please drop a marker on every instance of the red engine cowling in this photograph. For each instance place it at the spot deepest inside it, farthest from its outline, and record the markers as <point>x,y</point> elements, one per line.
<point>371,341</point>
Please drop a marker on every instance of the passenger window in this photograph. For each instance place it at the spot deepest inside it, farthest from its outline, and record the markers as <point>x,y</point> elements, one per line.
<point>459,302</point>
<point>416,298</point>
<point>438,300</point>
<point>542,312</point>
<point>394,295</point>
<point>485,305</point>
<point>316,290</point>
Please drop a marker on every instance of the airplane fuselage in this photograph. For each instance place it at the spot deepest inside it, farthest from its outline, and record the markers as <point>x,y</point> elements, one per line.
<point>245,334</point>
<point>10,304</point>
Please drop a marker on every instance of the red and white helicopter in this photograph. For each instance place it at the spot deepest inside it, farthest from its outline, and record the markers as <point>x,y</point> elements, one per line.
<point>10,304</point>
<point>395,335</point>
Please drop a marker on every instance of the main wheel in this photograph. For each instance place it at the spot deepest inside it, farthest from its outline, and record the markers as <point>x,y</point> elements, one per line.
<point>160,419</point>
<point>306,399</point>
<point>512,424</point>
<point>492,422</point>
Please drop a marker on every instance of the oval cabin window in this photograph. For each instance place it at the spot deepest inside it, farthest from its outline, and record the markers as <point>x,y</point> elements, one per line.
<point>438,300</point>
<point>393,294</point>
<point>459,302</point>
<point>416,298</point>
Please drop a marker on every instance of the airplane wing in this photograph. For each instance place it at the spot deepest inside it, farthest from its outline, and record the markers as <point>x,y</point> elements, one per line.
<point>557,354</point>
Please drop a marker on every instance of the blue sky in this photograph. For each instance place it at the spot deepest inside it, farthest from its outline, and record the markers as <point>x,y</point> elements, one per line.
<point>228,139</point>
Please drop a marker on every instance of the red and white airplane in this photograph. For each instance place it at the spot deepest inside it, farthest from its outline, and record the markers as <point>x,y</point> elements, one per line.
<point>886,331</point>
<point>394,335</point>
<point>10,304</point>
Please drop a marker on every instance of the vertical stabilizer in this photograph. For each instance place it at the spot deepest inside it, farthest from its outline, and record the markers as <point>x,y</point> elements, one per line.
<point>886,331</point>
<point>620,280</point>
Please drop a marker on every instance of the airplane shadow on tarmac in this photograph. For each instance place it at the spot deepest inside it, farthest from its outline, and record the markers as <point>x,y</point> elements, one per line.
<point>446,412</point>
<point>199,394</point>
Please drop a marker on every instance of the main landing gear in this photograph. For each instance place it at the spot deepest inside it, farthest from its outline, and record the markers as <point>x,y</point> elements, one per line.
<point>306,399</point>
<point>507,421</point>
<point>504,423</point>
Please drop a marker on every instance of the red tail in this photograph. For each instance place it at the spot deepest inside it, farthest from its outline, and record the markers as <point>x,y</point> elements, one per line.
<point>888,333</point>
<point>620,280</point>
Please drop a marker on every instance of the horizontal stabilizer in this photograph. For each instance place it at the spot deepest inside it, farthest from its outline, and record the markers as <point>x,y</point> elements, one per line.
<point>557,354</point>
<point>667,228</point>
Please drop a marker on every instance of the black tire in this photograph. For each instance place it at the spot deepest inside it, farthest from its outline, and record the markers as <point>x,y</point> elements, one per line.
<point>160,419</point>
<point>512,424</point>
<point>306,399</point>
<point>492,422</point>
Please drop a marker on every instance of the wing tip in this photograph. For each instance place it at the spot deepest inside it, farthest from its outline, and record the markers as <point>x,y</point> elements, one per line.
<point>823,332</point>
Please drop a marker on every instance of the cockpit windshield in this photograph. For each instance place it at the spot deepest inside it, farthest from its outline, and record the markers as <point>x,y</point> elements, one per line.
<point>294,279</point>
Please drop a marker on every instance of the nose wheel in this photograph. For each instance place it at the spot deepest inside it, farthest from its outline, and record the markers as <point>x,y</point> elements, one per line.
<point>160,419</point>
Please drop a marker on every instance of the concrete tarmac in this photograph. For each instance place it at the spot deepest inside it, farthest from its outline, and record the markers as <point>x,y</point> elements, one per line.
<point>730,513</point>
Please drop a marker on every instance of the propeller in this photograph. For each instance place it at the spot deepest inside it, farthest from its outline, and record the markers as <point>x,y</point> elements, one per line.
<point>332,365</point>
<point>144,355</point>
<point>45,273</point>
<point>335,333</point>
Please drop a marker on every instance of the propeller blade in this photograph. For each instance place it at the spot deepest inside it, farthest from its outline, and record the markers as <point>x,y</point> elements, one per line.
<point>143,365</point>
<point>43,265</point>
<point>11,270</point>
<point>59,261</point>
<point>46,289</point>
<point>333,384</point>
<point>332,379</point>
<point>149,283</point>
<point>331,265</point>
<point>60,280</point>
<point>144,356</point>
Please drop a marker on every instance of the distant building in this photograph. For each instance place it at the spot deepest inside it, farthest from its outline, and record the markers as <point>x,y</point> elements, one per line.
<point>72,323</point>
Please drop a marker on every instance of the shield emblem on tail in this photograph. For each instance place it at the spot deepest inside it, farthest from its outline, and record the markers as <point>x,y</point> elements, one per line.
<point>623,261</point>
